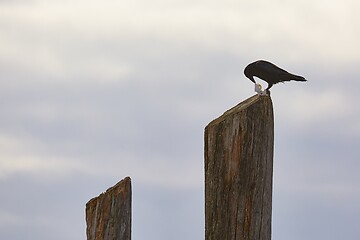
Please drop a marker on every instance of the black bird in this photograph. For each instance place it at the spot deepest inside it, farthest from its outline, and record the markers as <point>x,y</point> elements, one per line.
<point>270,73</point>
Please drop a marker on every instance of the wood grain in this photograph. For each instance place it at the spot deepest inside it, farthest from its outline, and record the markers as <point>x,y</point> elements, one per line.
<point>238,172</point>
<point>108,216</point>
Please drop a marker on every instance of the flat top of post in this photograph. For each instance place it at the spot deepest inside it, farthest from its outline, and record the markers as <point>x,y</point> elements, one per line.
<point>241,106</point>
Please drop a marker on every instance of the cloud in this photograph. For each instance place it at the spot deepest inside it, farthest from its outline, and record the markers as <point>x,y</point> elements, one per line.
<point>21,156</point>
<point>316,108</point>
<point>83,35</point>
<point>94,91</point>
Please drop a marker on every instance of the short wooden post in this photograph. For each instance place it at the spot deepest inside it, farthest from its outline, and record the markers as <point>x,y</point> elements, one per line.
<point>108,216</point>
<point>238,172</point>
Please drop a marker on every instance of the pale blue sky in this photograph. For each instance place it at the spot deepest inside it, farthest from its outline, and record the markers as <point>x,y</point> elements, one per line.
<point>93,91</point>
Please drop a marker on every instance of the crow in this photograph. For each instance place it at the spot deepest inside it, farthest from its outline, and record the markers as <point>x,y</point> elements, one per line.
<point>270,73</point>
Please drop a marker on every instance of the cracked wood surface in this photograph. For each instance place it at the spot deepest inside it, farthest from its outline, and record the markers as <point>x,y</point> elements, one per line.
<point>238,172</point>
<point>108,216</point>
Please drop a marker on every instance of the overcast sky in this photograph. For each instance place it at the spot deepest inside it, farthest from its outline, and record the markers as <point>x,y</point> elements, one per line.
<point>94,91</point>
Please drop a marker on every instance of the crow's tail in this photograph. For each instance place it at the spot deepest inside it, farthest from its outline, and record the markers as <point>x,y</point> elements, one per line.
<point>298,78</point>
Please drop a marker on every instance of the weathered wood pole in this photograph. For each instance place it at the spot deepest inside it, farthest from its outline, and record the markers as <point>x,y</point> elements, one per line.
<point>108,216</point>
<point>238,172</point>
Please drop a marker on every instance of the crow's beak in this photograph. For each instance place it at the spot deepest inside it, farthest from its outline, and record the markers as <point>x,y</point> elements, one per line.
<point>252,79</point>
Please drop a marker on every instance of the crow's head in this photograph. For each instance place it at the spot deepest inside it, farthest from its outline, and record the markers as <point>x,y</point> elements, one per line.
<point>248,71</point>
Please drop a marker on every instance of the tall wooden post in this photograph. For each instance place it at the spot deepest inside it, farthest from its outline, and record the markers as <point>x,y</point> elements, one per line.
<point>238,172</point>
<point>108,216</point>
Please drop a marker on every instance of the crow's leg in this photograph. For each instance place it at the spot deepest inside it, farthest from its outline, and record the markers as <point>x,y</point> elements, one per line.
<point>267,90</point>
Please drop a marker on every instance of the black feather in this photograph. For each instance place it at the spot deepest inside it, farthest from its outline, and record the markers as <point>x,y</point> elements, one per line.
<point>270,73</point>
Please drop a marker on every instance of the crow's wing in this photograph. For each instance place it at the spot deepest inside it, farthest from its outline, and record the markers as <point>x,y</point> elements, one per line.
<point>271,73</point>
